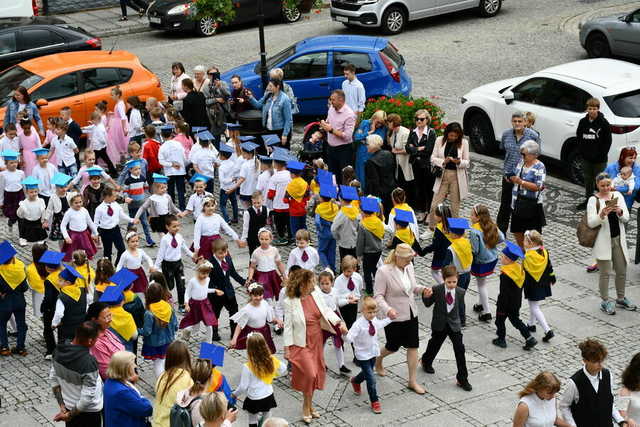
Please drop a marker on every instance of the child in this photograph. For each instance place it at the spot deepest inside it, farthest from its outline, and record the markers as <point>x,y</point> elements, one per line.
<point>50,136</point>
<point>172,158</point>
<point>36,275</point>
<point>512,278</point>
<point>189,400</point>
<point>169,258</point>
<point>266,171</point>
<point>11,192</point>
<point>80,262</point>
<point>135,154</point>
<point>253,317</point>
<point>207,230</point>
<point>29,140</point>
<point>440,242</point>
<point>625,183</point>
<point>348,175</point>
<point>134,131</point>
<point>122,322</point>
<point>266,267</point>
<point>52,262</point>
<point>369,240</point>
<point>135,188</point>
<point>182,136</point>
<point>312,148</point>
<point>71,305</point>
<point>90,164</point>
<point>160,326</point>
<point>253,219</point>
<point>132,260</point>
<point>150,150</point>
<point>78,229</point>
<point>364,336</point>
<point>325,281</point>
<point>13,285</point>
<point>98,141</point>
<point>539,277</point>
<point>461,256</point>
<point>303,255</point>
<point>159,206</point>
<point>325,213</point>
<point>10,140</point>
<point>29,213</point>
<point>198,306</point>
<point>399,198</point>
<point>204,158</point>
<point>65,150</point>
<point>404,222</point>
<point>74,131</point>
<point>197,199</point>
<point>277,188</point>
<point>92,194</point>
<point>345,225</point>
<point>227,173</point>
<point>445,323</point>
<point>296,197</point>
<point>104,272</point>
<point>44,172</point>
<point>256,378</point>
<point>484,237</point>
<point>347,288</point>
<point>529,121</point>
<point>157,277</point>
<point>107,219</point>
<point>118,123</point>
<point>58,205</point>
<point>248,173</point>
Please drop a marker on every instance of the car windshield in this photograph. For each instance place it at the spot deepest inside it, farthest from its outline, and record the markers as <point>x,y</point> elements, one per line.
<point>625,104</point>
<point>278,58</point>
<point>14,77</point>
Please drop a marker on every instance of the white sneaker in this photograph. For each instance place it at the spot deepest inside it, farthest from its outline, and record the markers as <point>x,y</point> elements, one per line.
<point>22,242</point>
<point>48,356</point>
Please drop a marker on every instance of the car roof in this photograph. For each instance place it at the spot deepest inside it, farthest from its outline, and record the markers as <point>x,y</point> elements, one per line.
<point>340,41</point>
<point>33,20</point>
<point>52,65</point>
<point>602,72</point>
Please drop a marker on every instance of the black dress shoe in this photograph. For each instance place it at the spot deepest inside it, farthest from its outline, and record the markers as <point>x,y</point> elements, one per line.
<point>530,343</point>
<point>532,328</point>
<point>345,370</point>
<point>465,385</point>
<point>477,308</point>
<point>428,369</point>
<point>486,317</point>
<point>548,336</point>
<point>500,343</point>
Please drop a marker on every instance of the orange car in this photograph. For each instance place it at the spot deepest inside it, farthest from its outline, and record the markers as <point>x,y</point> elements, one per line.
<point>79,80</point>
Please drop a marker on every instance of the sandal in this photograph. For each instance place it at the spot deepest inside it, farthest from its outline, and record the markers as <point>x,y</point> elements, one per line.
<point>315,413</point>
<point>307,419</point>
<point>4,351</point>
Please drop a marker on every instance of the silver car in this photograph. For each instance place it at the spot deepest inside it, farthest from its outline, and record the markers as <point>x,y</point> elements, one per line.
<point>617,35</point>
<point>392,15</point>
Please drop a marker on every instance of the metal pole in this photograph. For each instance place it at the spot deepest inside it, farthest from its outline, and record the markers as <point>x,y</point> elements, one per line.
<point>263,51</point>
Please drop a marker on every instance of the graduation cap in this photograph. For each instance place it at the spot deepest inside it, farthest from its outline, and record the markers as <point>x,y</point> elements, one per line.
<point>133,163</point>
<point>205,135</point>
<point>159,178</point>
<point>348,193</point>
<point>328,190</point>
<point>112,295</point>
<point>248,146</point>
<point>199,177</point>
<point>403,217</point>
<point>9,155</point>
<point>95,171</point>
<point>271,139</point>
<point>60,179</point>
<point>232,126</point>
<point>198,129</point>
<point>70,274</point>
<point>224,148</point>
<point>265,159</point>
<point>245,138</point>
<point>51,258</point>
<point>369,205</point>
<point>295,166</point>
<point>30,182</point>
<point>513,251</point>
<point>280,156</point>
<point>40,151</point>
<point>212,352</point>
<point>123,278</point>
<point>324,176</point>
<point>458,225</point>
<point>6,252</point>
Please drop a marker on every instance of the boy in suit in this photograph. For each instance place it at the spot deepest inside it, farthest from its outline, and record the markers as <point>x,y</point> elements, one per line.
<point>225,295</point>
<point>446,323</point>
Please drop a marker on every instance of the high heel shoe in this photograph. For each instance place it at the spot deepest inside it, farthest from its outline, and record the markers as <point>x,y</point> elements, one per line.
<point>315,413</point>
<point>307,419</point>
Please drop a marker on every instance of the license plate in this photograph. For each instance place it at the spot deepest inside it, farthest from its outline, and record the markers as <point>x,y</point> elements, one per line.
<point>342,19</point>
<point>154,20</point>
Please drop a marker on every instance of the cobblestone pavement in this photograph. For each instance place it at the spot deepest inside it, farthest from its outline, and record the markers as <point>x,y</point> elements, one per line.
<point>496,374</point>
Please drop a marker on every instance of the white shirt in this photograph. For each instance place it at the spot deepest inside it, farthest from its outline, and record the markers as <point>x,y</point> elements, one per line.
<point>248,172</point>
<point>366,346</point>
<point>135,123</point>
<point>12,144</point>
<point>227,172</point>
<point>31,211</point>
<point>161,203</point>
<point>451,292</point>
<point>77,220</point>
<point>406,281</point>
<point>391,223</point>
<point>166,252</point>
<point>132,262</point>
<point>253,386</point>
<point>246,218</point>
<point>330,299</point>
<point>542,413</point>
<point>102,219</point>
<point>196,201</point>
<point>64,149</point>
<point>11,182</point>
<point>295,258</point>
<point>354,94</point>
<point>171,151</point>
<point>265,260</point>
<point>204,159</point>
<point>278,182</point>
<point>196,290</point>
<point>341,287</point>
<point>97,136</point>
<point>44,175</point>
<point>210,226</point>
<point>252,316</point>
<point>632,404</point>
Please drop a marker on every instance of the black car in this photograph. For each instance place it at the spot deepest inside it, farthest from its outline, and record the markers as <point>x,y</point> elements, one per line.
<point>26,38</point>
<point>176,15</point>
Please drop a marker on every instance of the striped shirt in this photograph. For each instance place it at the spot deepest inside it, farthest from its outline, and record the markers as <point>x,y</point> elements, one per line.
<point>536,174</point>
<point>135,187</point>
<point>511,145</point>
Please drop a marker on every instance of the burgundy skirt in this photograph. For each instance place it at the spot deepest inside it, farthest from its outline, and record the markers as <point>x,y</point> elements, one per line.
<point>270,281</point>
<point>199,311</point>
<point>11,201</point>
<point>338,342</point>
<point>79,240</point>
<point>141,283</point>
<point>206,244</point>
<point>241,343</point>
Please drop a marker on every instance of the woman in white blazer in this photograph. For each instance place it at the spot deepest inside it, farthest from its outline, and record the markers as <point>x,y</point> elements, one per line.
<point>398,136</point>
<point>610,248</point>
<point>451,155</point>
<point>305,316</point>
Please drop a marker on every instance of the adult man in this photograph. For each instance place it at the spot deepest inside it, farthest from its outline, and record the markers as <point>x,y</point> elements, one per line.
<point>353,89</point>
<point>594,140</point>
<point>339,126</point>
<point>76,381</point>
<point>510,142</point>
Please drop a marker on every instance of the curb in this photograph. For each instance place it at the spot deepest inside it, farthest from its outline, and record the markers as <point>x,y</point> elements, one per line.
<point>122,31</point>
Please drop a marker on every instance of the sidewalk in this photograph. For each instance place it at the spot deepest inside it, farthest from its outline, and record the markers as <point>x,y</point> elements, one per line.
<point>104,22</point>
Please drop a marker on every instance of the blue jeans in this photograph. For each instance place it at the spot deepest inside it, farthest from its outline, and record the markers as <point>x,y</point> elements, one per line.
<point>297,223</point>
<point>71,170</point>
<point>327,252</point>
<point>463,283</point>
<point>223,205</point>
<point>366,374</point>
<point>21,326</point>
<point>177,181</point>
<point>133,208</point>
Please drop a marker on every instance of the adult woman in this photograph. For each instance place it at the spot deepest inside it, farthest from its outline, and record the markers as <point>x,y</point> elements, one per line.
<point>306,315</point>
<point>20,101</point>
<point>277,116</point>
<point>200,80</point>
<point>606,209</point>
<point>176,377</point>
<point>194,109</point>
<point>107,343</point>
<point>278,74</point>
<point>394,290</point>
<point>177,92</point>
<point>397,137</point>
<point>420,145</point>
<point>379,172</point>
<point>239,101</point>
<point>214,412</point>
<point>451,159</point>
<point>216,94</point>
<point>527,211</point>
<point>376,124</point>
<point>630,391</point>
<point>124,406</point>
<point>537,405</point>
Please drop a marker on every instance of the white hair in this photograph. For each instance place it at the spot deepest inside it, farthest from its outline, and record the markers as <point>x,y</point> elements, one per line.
<point>199,69</point>
<point>275,422</point>
<point>374,140</point>
<point>530,147</point>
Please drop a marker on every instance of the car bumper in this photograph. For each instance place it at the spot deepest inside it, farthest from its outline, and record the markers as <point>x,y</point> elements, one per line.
<point>170,22</point>
<point>349,13</point>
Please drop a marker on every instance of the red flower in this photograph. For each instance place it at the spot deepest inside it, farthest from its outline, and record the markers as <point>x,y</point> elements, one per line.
<point>392,100</point>
<point>409,104</point>
<point>318,11</point>
<point>383,98</point>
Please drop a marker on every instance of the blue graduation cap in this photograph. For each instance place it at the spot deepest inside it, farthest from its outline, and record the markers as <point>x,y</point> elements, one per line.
<point>232,126</point>
<point>112,295</point>
<point>212,352</point>
<point>403,216</point>
<point>324,176</point>
<point>458,225</point>
<point>199,177</point>
<point>133,163</point>
<point>205,135</point>
<point>328,190</point>
<point>30,182</point>
<point>159,178</point>
<point>348,193</point>
<point>369,205</point>
<point>51,258</point>
<point>249,146</point>
<point>198,129</point>
<point>513,251</point>
<point>60,179</point>
<point>265,159</point>
<point>224,148</point>
<point>40,151</point>
<point>6,252</point>
<point>123,278</point>
<point>167,128</point>
<point>70,274</point>
<point>245,138</point>
<point>271,139</point>
<point>280,156</point>
<point>295,166</point>
<point>95,171</point>
<point>9,155</point>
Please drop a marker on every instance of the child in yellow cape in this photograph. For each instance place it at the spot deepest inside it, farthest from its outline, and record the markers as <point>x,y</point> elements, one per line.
<point>52,262</point>
<point>461,256</point>
<point>326,212</point>
<point>369,240</point>
<point>160,326</point>
<point>13,285</point>
<point>71,306</point>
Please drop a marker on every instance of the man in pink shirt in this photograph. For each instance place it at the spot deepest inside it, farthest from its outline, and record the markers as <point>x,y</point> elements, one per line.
<point>339,126</point>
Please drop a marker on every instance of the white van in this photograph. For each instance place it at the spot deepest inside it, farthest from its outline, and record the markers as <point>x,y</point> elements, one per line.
<point>18,8</point>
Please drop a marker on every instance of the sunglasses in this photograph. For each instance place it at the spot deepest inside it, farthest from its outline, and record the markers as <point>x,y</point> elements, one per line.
<point>420,119</point>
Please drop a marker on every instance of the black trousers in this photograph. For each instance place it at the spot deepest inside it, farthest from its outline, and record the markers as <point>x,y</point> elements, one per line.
<point>369,268</point>
<point>504,213</point>
<point>514,318</point>
<point>422,189</point>
<point>436,341</point>
<point>349,313</point>
<point>228,303</point>
<point>85,419</point>
<point>338,158</point>
<point>346,251</point>
<point>137,5</point>
<point>102,155</point>
<point>173,272</point>
<point>281,219</point>
<point>111,237</point>
<point>177,182</point>
<point>47,332</point>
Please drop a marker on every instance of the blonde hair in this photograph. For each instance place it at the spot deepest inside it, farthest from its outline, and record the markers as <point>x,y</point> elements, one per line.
<point>303,234</point>
<point>213,406</point>
<point>544,381</point>
<point>530,118</point>
<point>369,303</point>
<point>375,141</point>
<point>349,262</point>
<point>379,115</point>
<point>277,73</point>
<point>423,112</point>
<point>121,365</point>
<point>393,253</point>
<point>534,237</point>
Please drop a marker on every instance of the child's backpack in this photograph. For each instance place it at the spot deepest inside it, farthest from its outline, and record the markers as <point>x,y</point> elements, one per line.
<point>180,416</point>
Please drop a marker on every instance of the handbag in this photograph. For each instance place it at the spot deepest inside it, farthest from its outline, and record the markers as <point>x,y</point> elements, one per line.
<point>525,207</point>
<point>436,171</point>
<point>587,235</point>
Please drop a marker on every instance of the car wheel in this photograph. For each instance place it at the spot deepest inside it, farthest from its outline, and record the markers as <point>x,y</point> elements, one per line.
<point>290,15</point>
<point>597,46</point>
<point>480,132</point>
<point>489,8</point>
<point>393,20</point>
<point>206,27</point>
<point>575,168</point>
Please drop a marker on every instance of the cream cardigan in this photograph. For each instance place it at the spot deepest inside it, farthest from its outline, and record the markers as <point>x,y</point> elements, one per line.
<point>602,247</point>
<point>295,326</point>
<point>437,159</point>
<point>402,160</point>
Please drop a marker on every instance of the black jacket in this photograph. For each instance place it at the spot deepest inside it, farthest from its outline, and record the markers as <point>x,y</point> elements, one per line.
<point>440,315</point>
<point>421,159</point>
<point>194,109</point>
<point>380,171</point>
<point>594,138</point>
<point>218,279</point>
<point>74,132</point>
<point>509,297</point>
<point>12,299</point>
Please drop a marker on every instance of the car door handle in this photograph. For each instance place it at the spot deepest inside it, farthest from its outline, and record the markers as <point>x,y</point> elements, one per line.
<point>569,123</point>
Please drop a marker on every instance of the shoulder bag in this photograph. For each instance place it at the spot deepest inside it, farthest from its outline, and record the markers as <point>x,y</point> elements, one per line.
<point>587,235</point>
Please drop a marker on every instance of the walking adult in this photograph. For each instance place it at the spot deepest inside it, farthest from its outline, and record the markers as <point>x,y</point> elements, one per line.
<point>200,80</point>
<point>194,109</point>
<point>21,101</point>
<point>451,158</point>
<point>376,124</point>
<point>276,111</point>
<point>107,344</point>
<point>397,137</point>
<point>354,92</point>
<point>305,317</point>
<point>380,172</point>
<point>527,201</point>
<point>339,126</point>
<point>420,146</point>
<point>176,91</point>
<point>239,101</point>
<point>394,290</point>
<point>510,142</point>
<point>606,209</point>
<point>537,406</point>
<point>216,94</point>
<point>278,74</point>
<point>593,138</point>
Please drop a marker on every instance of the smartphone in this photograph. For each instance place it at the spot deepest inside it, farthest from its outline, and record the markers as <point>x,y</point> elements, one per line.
<point>611,203</point>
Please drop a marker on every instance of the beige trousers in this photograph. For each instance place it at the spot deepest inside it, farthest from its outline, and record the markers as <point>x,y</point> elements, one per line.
<point>619,264</point>
<point>448,189</point>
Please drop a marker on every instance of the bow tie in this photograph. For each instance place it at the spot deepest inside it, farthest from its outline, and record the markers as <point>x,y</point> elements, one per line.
<point>449,298</point>
<point>174,242</point>
<point>350,285</point>
<point>304,256</point>
<point>224,265</point>
<point>372,329</point>
<point>109,210</point>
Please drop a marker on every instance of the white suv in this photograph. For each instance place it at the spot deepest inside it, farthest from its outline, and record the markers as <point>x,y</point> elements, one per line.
<point>393,15</point>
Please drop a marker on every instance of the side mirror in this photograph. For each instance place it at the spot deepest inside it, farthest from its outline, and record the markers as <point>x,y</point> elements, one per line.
<point>42,102</point>
<point>508,96</point>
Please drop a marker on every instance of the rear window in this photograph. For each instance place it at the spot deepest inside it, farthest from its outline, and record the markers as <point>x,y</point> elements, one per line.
<point>393,54</point>
<point>360,60</point>
<point>625,104</point>
<point>278,58</point>
<point>14,77</point>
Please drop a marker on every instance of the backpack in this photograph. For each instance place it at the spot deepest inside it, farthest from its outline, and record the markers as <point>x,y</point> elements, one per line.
<point>587,235</point>
<point>180,416</point>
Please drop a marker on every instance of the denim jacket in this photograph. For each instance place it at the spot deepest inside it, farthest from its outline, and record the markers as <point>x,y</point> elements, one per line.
<point>281,116</point>
<point>154,335</point>
<point>481,253</point>
<point>11,114</point>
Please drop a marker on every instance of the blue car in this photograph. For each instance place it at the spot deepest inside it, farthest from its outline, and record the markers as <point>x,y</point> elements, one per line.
<point>313,68</point>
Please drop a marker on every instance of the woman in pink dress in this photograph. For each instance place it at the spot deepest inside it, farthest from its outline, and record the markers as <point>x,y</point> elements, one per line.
<point>29,140</point>
<point>118,125</point>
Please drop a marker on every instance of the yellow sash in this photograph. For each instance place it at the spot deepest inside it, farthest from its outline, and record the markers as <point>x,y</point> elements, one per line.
<point>216,380</point>
<point>122,322</point>
<point>162,310</point>
<point>35,281</point>
<point>402,207</point>
<point>374,225</point>
<point>13,273</point>
<point>88,274</point>
<point>72,291</point>
<point>54,278</point>
<point>356,204</point>
<point>515,273</point>
<point>315,187</point>
<point>535,264</point>
<point>297,188</point>
<point>327,210</point>
<point>441,228</point>
<point>129,296</point>
<point>102,286</point>
<point>462,248</point>
<point>406,235</point>
<point>476,225</point>
<point>350,211</point>
<point>267,379</point>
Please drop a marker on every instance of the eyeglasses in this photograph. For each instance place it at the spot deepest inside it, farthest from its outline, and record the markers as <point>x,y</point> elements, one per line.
<point>420,119</point>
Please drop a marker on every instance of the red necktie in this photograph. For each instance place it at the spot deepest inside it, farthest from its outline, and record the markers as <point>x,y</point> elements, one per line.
<point>174,242</point>
<point>304,256</point>
<point>449,298</point>
<point>372,329</point>
<point>109,210</point>
<point>350,285</point>
<point>224,265</point>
